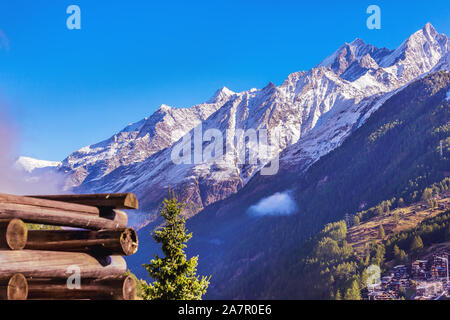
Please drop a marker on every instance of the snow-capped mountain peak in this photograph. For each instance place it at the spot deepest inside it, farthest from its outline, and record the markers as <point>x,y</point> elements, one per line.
<point>221,94</point>
<point>164,108</point>
<point>313,110</point>
<point>348,53</point>
<point>358,42</point>
<point>423,49</point>
<point>138,141</point>
<point>430,30</point>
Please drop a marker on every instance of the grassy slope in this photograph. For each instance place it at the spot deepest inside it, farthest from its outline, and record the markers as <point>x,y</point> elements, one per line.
<point>360,237</point>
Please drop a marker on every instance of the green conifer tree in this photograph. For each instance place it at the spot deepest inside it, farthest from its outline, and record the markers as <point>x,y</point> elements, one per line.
<point>427,194</point>
<point>381,233</point>
<point>396,251</point>
<point>416,246</point>
<point>402,257</point>
<point>175,276</point>
<point>353,292</point>
<point>356,220</point>
<point>396,218</point>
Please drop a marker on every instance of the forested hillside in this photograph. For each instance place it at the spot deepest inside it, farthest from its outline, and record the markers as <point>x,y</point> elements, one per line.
<point>401,149</point>
<point>331,266</point>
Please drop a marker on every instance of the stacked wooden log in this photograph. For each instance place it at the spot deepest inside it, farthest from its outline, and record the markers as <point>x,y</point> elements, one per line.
<point>83,260</point>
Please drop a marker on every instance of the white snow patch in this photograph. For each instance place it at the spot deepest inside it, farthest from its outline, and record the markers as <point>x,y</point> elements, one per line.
<point>29,164</point>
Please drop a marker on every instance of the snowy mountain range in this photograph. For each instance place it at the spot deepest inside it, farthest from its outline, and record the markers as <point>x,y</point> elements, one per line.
<point>313,110</point>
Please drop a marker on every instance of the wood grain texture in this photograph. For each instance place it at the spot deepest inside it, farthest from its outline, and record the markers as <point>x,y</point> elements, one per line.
<point>9,198</point>
<point>115,289</point>
<point>108,200</point>
<point>105,242</point>
<point>54,264</point>
<point>14,288</point>
<point>13,234</point>
<point>37,264</point>
<point>28,213</point>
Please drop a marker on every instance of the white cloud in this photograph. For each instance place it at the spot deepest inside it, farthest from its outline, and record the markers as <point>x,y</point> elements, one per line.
<point>15,180</point>
<point>278,204</point>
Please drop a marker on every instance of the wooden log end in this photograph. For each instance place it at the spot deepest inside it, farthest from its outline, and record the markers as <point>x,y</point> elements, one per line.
<point>17,288</point>
<point>129,289</point>
<point>16,234</point>
<point>13,234</point>
<point>131,201</point>
<point>129,241</point>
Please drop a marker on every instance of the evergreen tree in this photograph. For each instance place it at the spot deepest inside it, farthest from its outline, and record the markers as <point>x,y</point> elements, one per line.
<point>353,292</point>
<point>363,279</point>
<point>402,257</point>
<point>396,218</point>
<point>175,276</point>
<point>338,295</point>
<point>378,252</point>
<point>427,194</point>
<point>379,210</point>
<point>386,207</point>
<point>399,255</point>
<point>381,233</point>
<point>396,251</point>
<point>416,245</point>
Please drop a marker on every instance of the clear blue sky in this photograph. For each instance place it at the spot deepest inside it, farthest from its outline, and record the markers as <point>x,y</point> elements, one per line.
<point>70,88</point>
